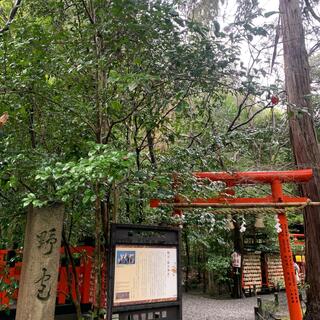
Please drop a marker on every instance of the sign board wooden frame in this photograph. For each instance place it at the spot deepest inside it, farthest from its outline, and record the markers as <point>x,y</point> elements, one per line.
<point>131,242</point>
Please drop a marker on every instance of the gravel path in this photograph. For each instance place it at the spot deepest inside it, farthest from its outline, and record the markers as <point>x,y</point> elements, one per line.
<point>200,308</point>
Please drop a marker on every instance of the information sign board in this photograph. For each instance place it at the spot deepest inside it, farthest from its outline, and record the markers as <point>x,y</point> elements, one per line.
<point>144,273</point>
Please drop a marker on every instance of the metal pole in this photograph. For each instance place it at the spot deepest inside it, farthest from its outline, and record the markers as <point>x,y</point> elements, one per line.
<point>286,258</point>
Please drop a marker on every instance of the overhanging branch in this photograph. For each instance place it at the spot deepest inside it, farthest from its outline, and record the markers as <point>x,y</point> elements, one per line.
<point>310,9</point>
<point>251,118</point>
<point>12,15</point>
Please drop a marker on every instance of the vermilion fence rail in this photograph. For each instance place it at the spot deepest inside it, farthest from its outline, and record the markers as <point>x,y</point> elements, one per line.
<point>10,271</point>
<point>298,239</point>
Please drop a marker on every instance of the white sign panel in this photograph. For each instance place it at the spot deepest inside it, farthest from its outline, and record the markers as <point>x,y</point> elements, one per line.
<point>236,260</point>
<point>145,274</point>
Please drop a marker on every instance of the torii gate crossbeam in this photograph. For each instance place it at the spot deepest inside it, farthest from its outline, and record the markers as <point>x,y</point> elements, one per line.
<point>277,199</point>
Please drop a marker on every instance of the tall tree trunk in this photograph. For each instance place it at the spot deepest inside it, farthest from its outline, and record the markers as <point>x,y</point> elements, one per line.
<point>101,217</point>
<point>98,254</point>
<point>116,202</point>
<point>204,260</point>
<point>303,139</point>
<point>150,140</point>
<point>32,131</point>
<point>187,247</point>
<point>238,247</point>
<point>140,217</point>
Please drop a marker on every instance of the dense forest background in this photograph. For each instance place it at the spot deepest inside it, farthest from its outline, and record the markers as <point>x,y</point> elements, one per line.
<point>108,99</point>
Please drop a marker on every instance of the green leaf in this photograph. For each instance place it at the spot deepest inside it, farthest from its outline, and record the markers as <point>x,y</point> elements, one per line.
<point>116,105</point>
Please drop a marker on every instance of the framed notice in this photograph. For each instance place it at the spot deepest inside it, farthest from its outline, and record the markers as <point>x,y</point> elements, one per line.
<point>144,273</point>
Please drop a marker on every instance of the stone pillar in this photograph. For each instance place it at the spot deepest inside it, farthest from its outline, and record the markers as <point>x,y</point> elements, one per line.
<point>40,268</point>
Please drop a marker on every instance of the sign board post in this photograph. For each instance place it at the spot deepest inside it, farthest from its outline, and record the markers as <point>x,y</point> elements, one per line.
<point>41,255</point>
<point>144,273</point>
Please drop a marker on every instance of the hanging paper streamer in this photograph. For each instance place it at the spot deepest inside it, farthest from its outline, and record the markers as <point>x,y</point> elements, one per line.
<point>243,226</point>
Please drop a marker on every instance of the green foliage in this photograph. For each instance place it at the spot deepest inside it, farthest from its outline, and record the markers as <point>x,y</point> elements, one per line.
<point>60,182</point>
<point>219,266</point>
<point>107,101</point>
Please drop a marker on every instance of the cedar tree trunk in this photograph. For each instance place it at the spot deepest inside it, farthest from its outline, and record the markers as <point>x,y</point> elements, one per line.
<point>303,139</point>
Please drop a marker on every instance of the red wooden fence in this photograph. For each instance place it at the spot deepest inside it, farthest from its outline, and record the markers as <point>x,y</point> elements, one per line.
<point>83,256</point>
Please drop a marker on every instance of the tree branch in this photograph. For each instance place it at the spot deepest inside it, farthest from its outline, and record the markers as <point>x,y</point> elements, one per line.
<point>240,109</point>
<point>124,118</point>
<point>26,186</point>
<point>166,113</point>
<point>193,139</point>
<point>251,118</point>
<point>13,13</point>
<point>88,12</point>
<point>4,197</point>
<point>45,97</point>
<point>310,9</point>
<point>276,42</point>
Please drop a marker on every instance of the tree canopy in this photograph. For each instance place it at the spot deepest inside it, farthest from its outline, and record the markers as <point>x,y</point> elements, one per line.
<point>108,99</point>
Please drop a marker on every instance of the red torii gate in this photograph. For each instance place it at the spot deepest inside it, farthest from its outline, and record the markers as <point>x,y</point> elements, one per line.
<point>277,200</point>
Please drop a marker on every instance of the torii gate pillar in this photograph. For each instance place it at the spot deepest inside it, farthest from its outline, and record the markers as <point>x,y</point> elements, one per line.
<point>276,200</point>
<point>292,292</point>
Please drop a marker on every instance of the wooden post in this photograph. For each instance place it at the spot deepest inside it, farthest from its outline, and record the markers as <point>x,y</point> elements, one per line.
<point>286,257</point>
<point>276,299</point>
<point>40,268</point>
